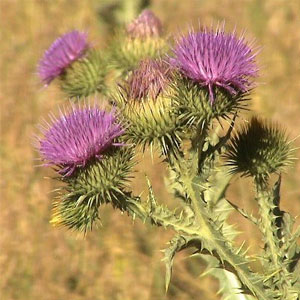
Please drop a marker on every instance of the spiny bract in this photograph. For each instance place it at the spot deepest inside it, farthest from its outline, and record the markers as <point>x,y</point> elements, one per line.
<point>99,182</point>
<point>145,104</point>
<point>85,76</point>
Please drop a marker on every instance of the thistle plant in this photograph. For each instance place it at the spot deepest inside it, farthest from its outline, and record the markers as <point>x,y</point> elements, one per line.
<point>175,99</point>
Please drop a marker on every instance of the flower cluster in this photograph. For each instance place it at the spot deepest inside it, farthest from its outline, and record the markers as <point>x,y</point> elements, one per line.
<point>171,101</point>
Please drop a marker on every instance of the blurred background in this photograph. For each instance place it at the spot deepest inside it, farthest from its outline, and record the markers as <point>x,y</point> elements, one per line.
<point>119,260</point>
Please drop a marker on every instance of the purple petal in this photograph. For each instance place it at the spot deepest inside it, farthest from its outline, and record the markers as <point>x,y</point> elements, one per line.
<point>145,25</point>
<point>61,54</point>
<point>215,58</point>
<point>75,138</point>
<point>148,80</point>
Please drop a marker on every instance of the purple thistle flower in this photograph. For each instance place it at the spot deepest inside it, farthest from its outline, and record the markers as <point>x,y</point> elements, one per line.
<point>145,25</point>
<point>64,50</point>
<point>75,138</point>
<point>148,80</point>
<point>216,59</point>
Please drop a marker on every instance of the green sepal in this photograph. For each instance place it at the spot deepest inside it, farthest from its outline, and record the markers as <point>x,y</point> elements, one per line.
<point>85,76</point>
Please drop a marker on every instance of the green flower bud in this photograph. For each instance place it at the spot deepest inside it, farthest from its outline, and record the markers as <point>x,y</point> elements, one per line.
<point>146,106</point>
<point>258,149</point>
<point>152,123</point>
<point>101,181</point>
<point>127,52</point>
<point>85,76</point>
<point>141,39</point>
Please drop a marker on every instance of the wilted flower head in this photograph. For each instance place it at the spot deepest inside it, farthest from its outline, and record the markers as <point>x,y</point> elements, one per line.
<point>66,49</point>
<point>79,136</point>
<point>148,80</point>
<point>215,58</point>
<point>145,25</point>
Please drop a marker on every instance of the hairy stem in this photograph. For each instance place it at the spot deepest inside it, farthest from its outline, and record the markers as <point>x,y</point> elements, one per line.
<point>268,228</point>
<point>266,225</point>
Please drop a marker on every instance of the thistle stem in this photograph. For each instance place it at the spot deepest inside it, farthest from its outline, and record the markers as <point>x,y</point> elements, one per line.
<point>273,250</point>
<point>266,224</point>
<point>238,263</point>
<point>198,141</point>
<point>206,233</point>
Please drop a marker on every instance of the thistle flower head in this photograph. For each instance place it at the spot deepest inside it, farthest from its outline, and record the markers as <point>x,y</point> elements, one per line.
<point>145,25</point>
<point>147,107</point>
<point>142,41</point>
<point>64,50</point>
<point>216,59</point>
<point>148,80</point>
<point>258,149</point>
<point>75,138</point>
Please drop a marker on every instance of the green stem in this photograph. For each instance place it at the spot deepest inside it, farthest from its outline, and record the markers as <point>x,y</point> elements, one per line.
<point>266,225</point>
<point>268,228</point>
<point>198,142</point>
<point>206,233</point>
<point>238,263</point>
<point>136,209</point>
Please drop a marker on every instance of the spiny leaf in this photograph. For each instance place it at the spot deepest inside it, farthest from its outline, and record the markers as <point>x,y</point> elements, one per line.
<point>178,243</point>
<point>229,286</point>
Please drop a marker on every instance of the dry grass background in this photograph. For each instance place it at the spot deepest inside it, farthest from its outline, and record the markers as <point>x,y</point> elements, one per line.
<point>119,260</point>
